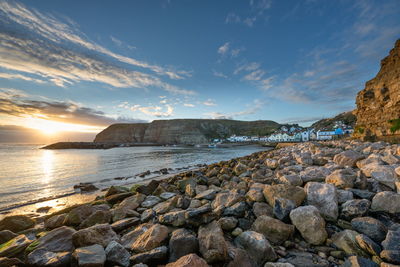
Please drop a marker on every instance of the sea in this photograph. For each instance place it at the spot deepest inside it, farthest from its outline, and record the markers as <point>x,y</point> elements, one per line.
<point>29,174</point>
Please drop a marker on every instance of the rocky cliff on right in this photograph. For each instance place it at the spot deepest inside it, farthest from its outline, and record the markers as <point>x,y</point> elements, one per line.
<point>378,104</point>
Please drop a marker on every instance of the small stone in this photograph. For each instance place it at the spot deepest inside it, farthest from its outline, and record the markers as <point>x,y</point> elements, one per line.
<point>123,224</point>
<point>150,201</point>
<point>344,195</point>
<point>237,210</point>
<point>55,221</point>
<point>174,218</point>
<point>237,231</point>
<point>167,195</point>
<point>207,194</point>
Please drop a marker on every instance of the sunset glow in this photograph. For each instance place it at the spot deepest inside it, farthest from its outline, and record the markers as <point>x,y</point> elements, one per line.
<point>48,127</point>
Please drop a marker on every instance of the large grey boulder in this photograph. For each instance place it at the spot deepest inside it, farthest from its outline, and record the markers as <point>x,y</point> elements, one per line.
<point>346,241</point>
<point>190,260</point>
<point>371,227</point>
<point>342,178</point>
<point>354,208</point>
<point>153,237</point>
<point>347,158</point>
<point>257,246</point>
<point>181,243</point>
<point>310,224</point>
<point>386,201</point>
<point>14,246</point>
<point>212,243</point>
<point>324,198</point>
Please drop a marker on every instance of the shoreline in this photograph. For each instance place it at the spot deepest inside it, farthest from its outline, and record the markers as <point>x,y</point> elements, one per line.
<point>331,203</point>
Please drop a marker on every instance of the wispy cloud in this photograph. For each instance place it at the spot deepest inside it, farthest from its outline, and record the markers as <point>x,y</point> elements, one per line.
<point>223,49</point>
<point>20,77</point>
<point>256,11</point>
<point>188,105</point>
<point>252,109</point>
<point>156,111</point>
<point>16,103</point>
<point>209,102</point>
<point>37,43</point>
<point>219,74</point>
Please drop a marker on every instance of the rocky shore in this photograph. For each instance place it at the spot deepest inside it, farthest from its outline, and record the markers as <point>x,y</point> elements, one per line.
<point>312,204</point>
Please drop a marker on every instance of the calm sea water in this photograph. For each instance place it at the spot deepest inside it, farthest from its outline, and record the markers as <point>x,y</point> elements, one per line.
<point>29,174</point>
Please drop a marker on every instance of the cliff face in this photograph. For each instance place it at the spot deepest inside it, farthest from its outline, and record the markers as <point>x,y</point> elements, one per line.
<point>184,131</point>
<point>378,105</point>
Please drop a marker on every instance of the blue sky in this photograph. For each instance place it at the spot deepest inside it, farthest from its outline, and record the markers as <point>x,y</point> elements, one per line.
<point>94,63</point>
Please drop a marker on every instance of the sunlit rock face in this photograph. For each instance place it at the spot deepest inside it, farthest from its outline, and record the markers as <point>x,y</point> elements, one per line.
<point>378,105</point>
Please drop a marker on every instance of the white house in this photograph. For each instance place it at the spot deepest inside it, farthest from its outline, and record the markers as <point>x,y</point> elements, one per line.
<point>305,136</point>
<point>325,135</point>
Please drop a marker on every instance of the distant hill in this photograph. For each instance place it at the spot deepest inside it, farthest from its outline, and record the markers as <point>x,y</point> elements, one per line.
<point>347,118</point>
<point>183,131</point>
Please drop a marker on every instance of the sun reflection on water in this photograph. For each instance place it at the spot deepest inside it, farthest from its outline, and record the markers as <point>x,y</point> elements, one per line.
<point>47,165</point>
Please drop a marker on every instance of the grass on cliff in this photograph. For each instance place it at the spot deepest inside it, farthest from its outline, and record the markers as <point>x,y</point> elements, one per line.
<point>395,125</point>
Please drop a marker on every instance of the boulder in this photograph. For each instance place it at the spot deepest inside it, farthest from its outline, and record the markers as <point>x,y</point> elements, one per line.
<point>228,223</point>
<point>212,243</point>
<point>123,224</point>
<point>282,208</point>
<point>16,223</point>
<point>90,256</point>
<point>368,245</point>
<point>14,246</point>
<point>314,174</point>
<point>347,158</point>
<point>306,259</point>
<point>291,179</point>
<point>152,257</point>
<point>342,178</point>
<point>55,221</point>
<point>153,237</point>
<point>126,206</point>
<point>42,257</point>
<point>324,198</point>
<point>260,209</point>
<point>392,240</point>
<point>57,240</point>
<point>100,234</point>
<point>354,208</point>
<point>344,195</point>
<point>386,201</point>
<point>310,224</point>
<point>6,235</point>
<point>10,262</point>
<point>237,210</point>
<point>346,241</point>
<point>174,218</point>
<point>371,227</point>
<point>224,200</point>
<point>97,217</point>
<point>356,261</point>
<point>294,193</point>
<point>150,201</point>
<point>116,254</point>
<point>149,188</point>
<point>257,247</point>
<point>392,256</point>
<point>274,230</point>
<point>207,194</point>
<point>77,215</point>
<point>129,238</point>
<point>182,243</point>
<point>190,260</point>
<point>385,175</point>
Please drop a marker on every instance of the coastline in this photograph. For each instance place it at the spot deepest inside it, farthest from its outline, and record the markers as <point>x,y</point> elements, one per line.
<point>301,205</point>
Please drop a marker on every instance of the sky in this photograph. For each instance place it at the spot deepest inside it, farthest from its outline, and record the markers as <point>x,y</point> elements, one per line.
<point>68,69</point>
